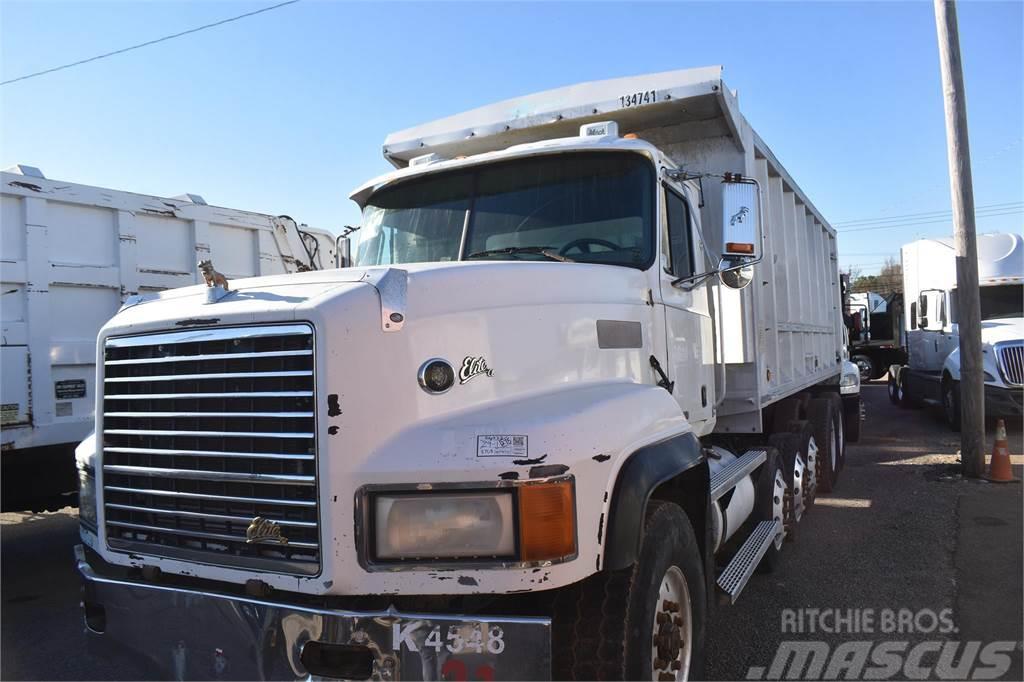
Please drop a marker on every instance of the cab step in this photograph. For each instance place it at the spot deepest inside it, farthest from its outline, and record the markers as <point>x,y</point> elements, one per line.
<point>726,479</point>
<point>735,576</point>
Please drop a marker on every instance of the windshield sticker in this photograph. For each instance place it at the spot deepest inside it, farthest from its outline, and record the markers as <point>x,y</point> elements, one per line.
<point>502,446</point>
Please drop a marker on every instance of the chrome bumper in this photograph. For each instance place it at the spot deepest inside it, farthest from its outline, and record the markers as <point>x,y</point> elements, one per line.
<point>193,634</point>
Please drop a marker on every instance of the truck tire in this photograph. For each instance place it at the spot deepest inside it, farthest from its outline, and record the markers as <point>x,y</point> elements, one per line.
<point>951,403</point>
<point>822,422</point>
<point>902,394</point>
<point>769,504</point>
<point>894,389</point>
<point>796,471</point>
<point>826,423</point>
<point>866,366</point>
<point>849,416</point>
<point>617,625</point>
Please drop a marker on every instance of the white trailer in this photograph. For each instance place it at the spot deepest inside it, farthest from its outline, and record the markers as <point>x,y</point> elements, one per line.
<point>70,256</point>
<point>582,369</point>
<point>932,373</point>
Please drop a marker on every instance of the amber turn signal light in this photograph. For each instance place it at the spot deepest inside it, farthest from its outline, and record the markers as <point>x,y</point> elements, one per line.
<point>547,521</point>
<point>738,247</point>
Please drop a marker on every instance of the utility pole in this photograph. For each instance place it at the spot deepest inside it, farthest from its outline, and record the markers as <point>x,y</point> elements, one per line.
<point>972,386</point>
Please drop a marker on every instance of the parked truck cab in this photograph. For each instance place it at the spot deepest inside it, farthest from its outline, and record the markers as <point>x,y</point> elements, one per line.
<point>932,372</point>
<point>578,378</point>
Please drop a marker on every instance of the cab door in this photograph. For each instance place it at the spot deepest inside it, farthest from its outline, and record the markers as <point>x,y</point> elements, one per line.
<point>689,339</point>
<point>932,340</point>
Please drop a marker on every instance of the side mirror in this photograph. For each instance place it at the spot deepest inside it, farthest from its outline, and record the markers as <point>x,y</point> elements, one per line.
<point>741,220</point>
<point>741,232</point>
<point>343,251</point>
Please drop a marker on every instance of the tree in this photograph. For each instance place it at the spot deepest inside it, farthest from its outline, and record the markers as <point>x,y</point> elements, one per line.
<point>888,280</point>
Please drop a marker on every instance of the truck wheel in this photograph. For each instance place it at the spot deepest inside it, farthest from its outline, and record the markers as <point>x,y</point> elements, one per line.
<point>849,416</point>
<point>894,389</point>
<point>645,622</point>
<point>902,394</point>
<point>769,504</point>
<point>822,423</point>
<point>951,403</point>
<point>797,472</point>
<point>866,366</point>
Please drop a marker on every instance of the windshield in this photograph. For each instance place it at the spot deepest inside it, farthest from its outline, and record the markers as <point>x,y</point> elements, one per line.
<point>594,207</point>
<point>999,301</point>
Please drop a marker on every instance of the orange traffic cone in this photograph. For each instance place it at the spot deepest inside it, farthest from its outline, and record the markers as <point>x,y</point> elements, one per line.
<point>999,468</point>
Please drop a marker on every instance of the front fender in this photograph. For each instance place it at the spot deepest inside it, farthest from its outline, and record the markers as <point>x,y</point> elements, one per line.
<point>600,433</point>
<point>952,365</point>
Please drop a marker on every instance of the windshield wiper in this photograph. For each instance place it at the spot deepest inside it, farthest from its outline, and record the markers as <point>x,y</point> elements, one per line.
<point>545,251</point>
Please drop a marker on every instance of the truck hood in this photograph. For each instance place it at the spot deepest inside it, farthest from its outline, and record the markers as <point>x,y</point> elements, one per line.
<point>1005,329</point>
<point>428,289</point>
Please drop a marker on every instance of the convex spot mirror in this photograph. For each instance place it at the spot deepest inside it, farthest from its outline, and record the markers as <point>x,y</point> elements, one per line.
<point>735,275</point>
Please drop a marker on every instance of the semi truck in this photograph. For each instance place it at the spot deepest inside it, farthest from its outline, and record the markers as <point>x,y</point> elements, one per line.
<point>70,256</point>
<point>877,338</point>
<point>932,373</point>
<point>579,377</point>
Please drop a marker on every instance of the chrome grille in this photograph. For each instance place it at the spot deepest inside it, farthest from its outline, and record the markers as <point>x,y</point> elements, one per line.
<point>204,430</point>
<point>1011,362</point>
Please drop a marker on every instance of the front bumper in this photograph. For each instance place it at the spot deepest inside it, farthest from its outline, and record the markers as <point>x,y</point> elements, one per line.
<point>1003,402</point>
<point>195,634</point>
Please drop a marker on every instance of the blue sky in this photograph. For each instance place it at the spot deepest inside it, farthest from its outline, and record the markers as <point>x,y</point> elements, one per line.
<point>285,112</point>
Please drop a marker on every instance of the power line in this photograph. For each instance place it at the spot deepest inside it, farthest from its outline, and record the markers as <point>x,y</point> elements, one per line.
<point>925,214</point>
<point>148,43</point>
<point>930,222</point>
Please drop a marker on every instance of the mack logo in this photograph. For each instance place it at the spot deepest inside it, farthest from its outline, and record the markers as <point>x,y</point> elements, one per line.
<point>263,530</point>
<point>473,366</point>
<point>739,215</point>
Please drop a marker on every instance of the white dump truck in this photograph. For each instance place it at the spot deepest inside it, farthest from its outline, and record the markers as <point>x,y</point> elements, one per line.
<point>70,256</point>
<point>932,373</point>
<point>579,377</point>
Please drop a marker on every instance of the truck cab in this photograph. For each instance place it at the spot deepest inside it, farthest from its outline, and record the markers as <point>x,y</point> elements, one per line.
<point>565,394</point>
<point>932,374</point>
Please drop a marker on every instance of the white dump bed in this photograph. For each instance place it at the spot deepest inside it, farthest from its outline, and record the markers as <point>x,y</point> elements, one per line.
<point>71,254</point>
<point>781,334</point>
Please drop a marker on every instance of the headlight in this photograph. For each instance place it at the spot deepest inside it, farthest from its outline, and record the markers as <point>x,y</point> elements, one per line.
<point>85,454</point>
<point>849,382</point>
<point>453,525</point>
<point>87,499</point>
<point>529,522</point>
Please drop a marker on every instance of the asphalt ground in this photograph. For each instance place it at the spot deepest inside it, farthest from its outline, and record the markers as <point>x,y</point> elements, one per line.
<point>901,531</point>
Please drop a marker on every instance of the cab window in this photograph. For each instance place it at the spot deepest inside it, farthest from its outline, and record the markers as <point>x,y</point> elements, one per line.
<point>680,245</point>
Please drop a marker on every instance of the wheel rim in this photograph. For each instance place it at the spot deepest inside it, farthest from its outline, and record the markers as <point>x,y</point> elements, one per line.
<point>779,506</point>
<point>865,368</point>
<point>672,643</point>
<point>798,492</point>
<point>810,478</point>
